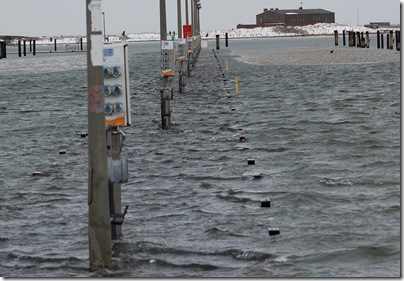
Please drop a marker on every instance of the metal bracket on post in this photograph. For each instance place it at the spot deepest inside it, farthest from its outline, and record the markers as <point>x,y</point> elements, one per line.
<point>117,219</point>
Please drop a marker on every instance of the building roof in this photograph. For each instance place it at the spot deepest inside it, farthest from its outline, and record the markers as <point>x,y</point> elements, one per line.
<point>300,11</point>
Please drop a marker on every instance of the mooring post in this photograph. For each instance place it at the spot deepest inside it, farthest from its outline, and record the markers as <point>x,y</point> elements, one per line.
<point>382,40</point>
<point>336,37</point>
<point>25,47</point>
<point>227,39</point>
<point>398,40</point>
<point>19,48</point>
<point>367,39</point>
<point>391,44</point>
<point>358,38</point>
<point>217,42</point>
<point>81,44</point>
<point>54,41</point>
<point>34,47</point>
<point>343,38</point>
<point>99,225</point>
<point>3,49</point>
<point>388,41</point>
<point>353,39</point>
<point>30,46</point>
<point>378,39</point>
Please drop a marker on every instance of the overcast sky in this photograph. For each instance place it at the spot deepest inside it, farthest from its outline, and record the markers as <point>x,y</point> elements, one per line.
<point>68,17</point>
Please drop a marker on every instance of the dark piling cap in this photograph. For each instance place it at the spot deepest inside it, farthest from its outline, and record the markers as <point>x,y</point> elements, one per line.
<point>273,231</point>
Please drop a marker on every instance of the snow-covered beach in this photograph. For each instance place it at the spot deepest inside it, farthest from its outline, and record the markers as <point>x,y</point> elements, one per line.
<point>259,32</point>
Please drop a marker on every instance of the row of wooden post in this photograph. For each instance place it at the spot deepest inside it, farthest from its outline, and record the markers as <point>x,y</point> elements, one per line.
<point>22,47</point>
<point>362,40</point>
<point>218,41</point>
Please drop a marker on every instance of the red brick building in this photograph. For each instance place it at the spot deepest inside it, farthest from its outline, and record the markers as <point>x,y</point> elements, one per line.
<point>291,17</point>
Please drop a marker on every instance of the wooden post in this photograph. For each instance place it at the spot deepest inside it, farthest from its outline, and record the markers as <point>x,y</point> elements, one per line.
<point>3,49</point>
<point>350,38</point>
<point>227,40</point>
<point>398,40</point>
<point>25,48</point>
<point>382,40</point>
<point>81,44</point>
<point>34,47</point>
<point>336,37</point>
<point>358,38</point>
<point>30,46</point>
<point>55,43</point>
<point>367,39</point>
<point>217,42</point>
<point>378,39</point>
<point>388,41</point>
<point>99,225</point>
<point>19,48</point>
<point>343,38</point>
<point>391,42</point>
<point>353,39</point>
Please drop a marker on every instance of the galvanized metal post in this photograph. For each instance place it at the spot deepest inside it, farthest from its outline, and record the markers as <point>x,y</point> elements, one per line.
<point>193,16</point>
<point>165,104</point>
<point>179,18</point>
<point>99,226</point>
<point>186,12</point>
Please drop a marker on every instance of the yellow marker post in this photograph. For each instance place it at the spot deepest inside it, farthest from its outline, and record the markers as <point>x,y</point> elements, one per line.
<point>237,87</point>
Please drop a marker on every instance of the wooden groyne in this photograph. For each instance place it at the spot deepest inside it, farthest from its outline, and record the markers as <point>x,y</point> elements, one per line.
<point>362,39</point>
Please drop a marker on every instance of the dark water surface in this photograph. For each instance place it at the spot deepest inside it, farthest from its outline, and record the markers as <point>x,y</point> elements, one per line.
<point>325,139</point>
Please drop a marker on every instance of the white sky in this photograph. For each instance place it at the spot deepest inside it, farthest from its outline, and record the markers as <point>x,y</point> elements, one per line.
<point>68,17</point>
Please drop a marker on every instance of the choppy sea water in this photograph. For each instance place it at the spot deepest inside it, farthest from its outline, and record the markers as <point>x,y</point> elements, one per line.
<point>326,145</point>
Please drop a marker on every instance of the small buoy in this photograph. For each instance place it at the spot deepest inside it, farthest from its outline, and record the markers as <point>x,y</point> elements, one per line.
<point>83,135</point>
<point>266,204</point>
<point>242,139</point>
<point>37,173</point>
<point>233,109</point>
<point>250,161</point>
<point>62,151</point>
<point>273,231</point>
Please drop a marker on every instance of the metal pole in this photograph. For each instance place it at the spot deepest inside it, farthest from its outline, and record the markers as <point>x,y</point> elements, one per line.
<point>179,19</point>
<point>163,20</point>
<point>99,226</point>
<point>193,16</point>
<point>187,11</point>
<point>103,20</point>
<point>165,104</point>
